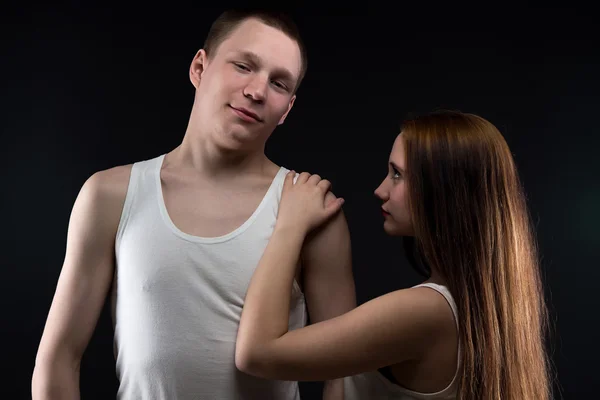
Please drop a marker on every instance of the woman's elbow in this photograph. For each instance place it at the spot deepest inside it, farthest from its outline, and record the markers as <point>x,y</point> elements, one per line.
<point>242,359</point>
<point>249,361</point>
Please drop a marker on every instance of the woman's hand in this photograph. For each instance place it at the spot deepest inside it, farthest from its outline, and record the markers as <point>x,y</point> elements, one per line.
<point>302,206</point>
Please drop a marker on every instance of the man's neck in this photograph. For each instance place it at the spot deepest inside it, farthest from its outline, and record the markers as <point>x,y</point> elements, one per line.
<point>199,152</point>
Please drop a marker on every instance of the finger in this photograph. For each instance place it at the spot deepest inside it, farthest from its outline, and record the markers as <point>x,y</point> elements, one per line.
<point>303,177</point>
<point>325,185</point>
<point>334,207</point>
<point>329,197</point>
<point>289,179</point>
<point>314,179</point>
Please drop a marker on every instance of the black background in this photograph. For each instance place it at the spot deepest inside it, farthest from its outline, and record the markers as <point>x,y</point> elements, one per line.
<point>85,89</point>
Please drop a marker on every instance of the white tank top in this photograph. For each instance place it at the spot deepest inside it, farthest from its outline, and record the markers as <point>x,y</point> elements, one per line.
<point>374,386</point>
<point>177,299</point>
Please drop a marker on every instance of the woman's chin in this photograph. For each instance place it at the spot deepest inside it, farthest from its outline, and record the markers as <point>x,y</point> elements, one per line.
<point>390,229</point>
<point>394,230</point>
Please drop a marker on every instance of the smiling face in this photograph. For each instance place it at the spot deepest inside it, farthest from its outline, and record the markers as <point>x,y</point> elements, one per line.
<point>393,191</point>
<point>246,88</point>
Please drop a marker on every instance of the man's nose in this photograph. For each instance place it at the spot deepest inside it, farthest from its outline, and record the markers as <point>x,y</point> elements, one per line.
<point>256,89</point>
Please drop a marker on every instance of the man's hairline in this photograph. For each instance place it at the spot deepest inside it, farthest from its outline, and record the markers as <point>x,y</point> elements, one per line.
<point>237,26</point>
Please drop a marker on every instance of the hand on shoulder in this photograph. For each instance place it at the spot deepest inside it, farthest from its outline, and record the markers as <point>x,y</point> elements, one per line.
<point>306,202</point>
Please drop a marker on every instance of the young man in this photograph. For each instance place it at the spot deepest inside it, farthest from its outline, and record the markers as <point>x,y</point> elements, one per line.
<point>177,237</point>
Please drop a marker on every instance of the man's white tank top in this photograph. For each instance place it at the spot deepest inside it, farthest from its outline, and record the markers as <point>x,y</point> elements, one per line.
<point>178,298</point>
<point>374,386</point>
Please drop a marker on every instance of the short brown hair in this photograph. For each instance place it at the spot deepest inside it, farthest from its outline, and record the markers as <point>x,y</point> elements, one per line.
<point>229,20</point>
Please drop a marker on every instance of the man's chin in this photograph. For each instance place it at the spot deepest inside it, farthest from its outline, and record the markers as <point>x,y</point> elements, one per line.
<point>241,139</point>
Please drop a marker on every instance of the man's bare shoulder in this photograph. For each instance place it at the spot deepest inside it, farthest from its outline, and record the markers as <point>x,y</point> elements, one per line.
<point>108,188</point>
<point>113,177</point>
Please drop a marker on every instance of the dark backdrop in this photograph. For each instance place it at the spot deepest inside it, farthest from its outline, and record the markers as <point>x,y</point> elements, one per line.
<point>86,89</point>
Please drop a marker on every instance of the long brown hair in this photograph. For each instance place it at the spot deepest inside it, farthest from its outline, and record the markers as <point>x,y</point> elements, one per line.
<point>472,226</point>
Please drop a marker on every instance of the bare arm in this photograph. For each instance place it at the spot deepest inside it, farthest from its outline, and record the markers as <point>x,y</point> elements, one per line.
<point>390,329</point>
<point>328,280</point>
<point>82,286</point>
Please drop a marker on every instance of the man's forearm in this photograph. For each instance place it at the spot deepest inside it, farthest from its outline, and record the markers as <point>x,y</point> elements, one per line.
<point>56,381</point>
<point>333,390</point>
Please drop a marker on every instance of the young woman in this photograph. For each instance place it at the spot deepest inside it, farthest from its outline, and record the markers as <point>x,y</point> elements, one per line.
<point>475,329</point>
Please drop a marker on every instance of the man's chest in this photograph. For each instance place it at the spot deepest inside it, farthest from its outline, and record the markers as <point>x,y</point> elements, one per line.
<point>209,211</point>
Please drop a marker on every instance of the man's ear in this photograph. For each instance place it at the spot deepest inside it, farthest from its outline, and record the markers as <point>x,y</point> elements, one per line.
<point>197,67</point>
<point>284,116</point>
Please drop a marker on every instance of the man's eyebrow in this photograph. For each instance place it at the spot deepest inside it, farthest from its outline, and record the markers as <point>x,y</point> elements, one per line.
<point>250,56</point>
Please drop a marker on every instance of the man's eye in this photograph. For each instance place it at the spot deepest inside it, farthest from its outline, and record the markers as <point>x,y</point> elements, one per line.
<point>280,85</point>
<point>241,66</point>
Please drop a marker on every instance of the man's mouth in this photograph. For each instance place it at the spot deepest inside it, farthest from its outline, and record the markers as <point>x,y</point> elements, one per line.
<point>246,114</point>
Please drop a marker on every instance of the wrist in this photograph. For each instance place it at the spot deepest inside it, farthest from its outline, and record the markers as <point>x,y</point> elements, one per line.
<point>289,231</point>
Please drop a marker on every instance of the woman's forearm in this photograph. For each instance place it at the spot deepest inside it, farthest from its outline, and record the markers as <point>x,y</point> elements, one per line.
<point>265,316</point>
